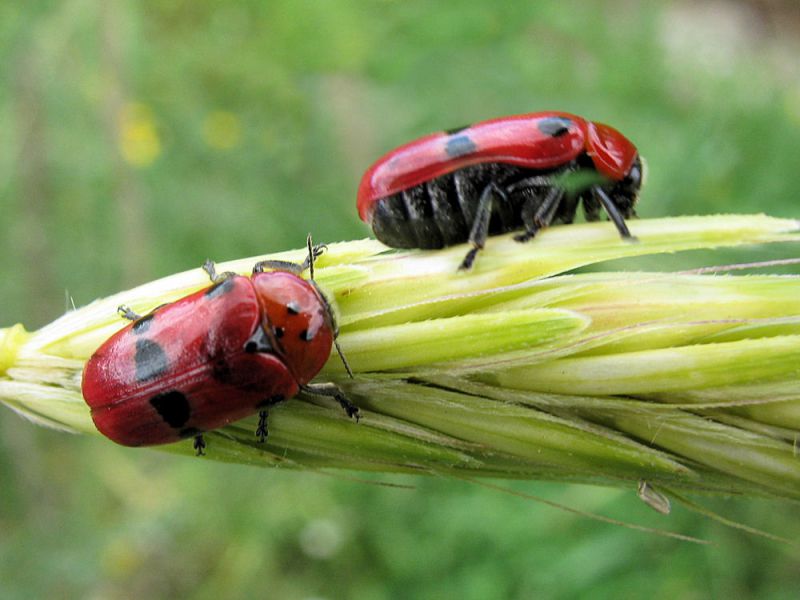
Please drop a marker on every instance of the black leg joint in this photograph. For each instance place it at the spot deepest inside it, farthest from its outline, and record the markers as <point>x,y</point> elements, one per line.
<point>261,430</point>
<point>199,445</point>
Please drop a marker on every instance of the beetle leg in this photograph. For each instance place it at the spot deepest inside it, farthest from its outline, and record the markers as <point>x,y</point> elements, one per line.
<point>332,390</point>
<point>545,215</point>
<point>261,430</point>
<point>210,267</point>
<point>314,251</point>
<point>480,226</point>
<point>542,216</point>
<point>199,444</point>
<point>278,265</point>
<point>613,213</point>
<point>529,182</point>
<point>126,313</point>
<point>531,229</point>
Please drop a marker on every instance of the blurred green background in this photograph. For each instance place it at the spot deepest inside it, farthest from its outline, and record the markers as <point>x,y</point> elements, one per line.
<point>139,138</point>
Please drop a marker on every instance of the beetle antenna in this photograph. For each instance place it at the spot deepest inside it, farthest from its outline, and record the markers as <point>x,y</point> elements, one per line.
<point>310,245</point>
<point>311,255</point>
<point>344,360</point>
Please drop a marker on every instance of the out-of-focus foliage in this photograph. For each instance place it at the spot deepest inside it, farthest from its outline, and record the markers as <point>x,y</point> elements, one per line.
<point>140,138</point>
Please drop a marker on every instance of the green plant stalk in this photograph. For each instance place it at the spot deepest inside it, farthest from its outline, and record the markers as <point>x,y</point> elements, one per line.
<point>521,368</point>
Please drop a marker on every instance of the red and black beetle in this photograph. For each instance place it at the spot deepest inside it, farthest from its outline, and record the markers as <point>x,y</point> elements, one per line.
<point>215,356</point>
<point>497,176</point>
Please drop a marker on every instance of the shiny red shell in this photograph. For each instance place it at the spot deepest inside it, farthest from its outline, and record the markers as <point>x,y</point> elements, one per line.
<point>516,140</point>
<point>183,369</point>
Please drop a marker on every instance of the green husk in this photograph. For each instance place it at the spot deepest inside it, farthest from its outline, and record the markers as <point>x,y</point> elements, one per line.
<point>522,368</point>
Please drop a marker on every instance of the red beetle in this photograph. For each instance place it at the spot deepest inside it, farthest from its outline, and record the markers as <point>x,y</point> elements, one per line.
<point>523,171</point>
<point>213,357</point>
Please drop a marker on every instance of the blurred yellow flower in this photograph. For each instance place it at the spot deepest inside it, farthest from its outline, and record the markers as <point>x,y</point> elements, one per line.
<point>222,130</point>
<point>138,139</point>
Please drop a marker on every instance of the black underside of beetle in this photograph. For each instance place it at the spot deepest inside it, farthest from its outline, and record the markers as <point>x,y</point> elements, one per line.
<point>441,212</point>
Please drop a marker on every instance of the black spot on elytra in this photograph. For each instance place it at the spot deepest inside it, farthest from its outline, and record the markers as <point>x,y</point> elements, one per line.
<point>151,360</point>
<point>141,325</point>
<point>279,331</point>
<point>258,342</point>
<point>293,308</point>
<point>459,146</point>
<point>307,335</point>
<point>277,398</point>
<point>220,288</point>
<point>173,407</point>
<point>555,126</point>
<point>456,130</point>
<point>188,432</point>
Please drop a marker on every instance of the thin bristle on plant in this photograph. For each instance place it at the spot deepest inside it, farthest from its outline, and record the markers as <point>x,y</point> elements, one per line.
<point>521,368</point>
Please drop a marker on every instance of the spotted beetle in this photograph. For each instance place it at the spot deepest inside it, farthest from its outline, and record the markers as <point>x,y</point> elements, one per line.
<point>215,356</point>
<point>515,172</point>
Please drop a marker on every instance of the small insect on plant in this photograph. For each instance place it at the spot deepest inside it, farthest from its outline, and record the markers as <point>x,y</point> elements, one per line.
<point>518,172</point>
<point>215,356</point>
